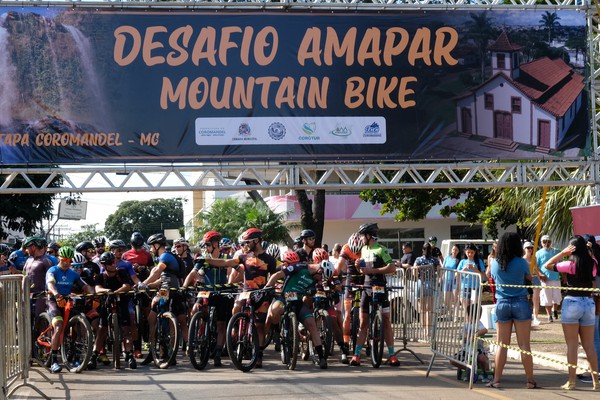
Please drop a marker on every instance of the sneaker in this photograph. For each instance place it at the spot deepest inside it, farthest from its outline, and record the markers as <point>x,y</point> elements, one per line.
<point>258,363</point>
<point>76,364</point>
<point>535,322</point>
<point>55,368</point>
<point>131,363</point>
<point>485,379</point>
<point>394,362</point>
<point>550,319</point>
<point>103,358</point>
<point>323,363</point>
<point>585,378</point>
<point>217,361</point>
<point>92,364</point>
<point>344,359</point>
<point>137,354</point>
<point>355,361</point>
<point>556,314</point>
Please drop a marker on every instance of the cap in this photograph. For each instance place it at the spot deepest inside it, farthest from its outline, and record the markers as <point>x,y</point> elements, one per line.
<point>527,244</point>
<point>545,237</point>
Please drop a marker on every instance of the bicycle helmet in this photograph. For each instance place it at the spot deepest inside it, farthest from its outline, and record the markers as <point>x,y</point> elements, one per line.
<point>354,243</point>
<point>319,255</point>
<point>78,259</point>
<point>370,228</point>
<point>137,239</point>
<point>66,252</point>
<point>157,238</point>
<point>297,241</point>
<point>252,233</point>
<point>264,244</point>
<point>107,258</point>
<point>99,241</point>
<point>84,246</point>
<point>432,239</point>
<point>117,244</point>
<point>273,250</point>
<point>225,242</point>
<point>182,241</point>
<point>211,235</point>
<point>290,257</point>
<point>306,233</point>
<point>38,242</point>
<point>328,269</point>
<point>53,245</point>
<point>5,250</point>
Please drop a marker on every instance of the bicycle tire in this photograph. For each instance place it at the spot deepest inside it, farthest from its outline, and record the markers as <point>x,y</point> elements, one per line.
<point>40,353</point>
<point>268,339</point>
<point>77,342</point>
<point>354,327</point>
<point>325,330</point>
<point>289,340</point>
<point>242,342</point>
<point>198,342</point>
<point>376,339</point>
<point>166,340</point>
<point>116,343</point>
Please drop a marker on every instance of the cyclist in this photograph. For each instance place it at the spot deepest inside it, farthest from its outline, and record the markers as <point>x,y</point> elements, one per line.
<point>211,248</point>
<point>226,245</point>
<point>374,262</point>
<point>347,266</point>
<point>299,277</point>
<point>52,252</point>
<point>35,268</point>
<point>86,248</point>
<point>165,275</point>
<point>6,267</point>
<point>181,247</point>
<point>60,281</point>
<point>256,265</point>
<point>19,255</point>
<point>100,246</point>
<point>116,281</point>
<point>307,238</point>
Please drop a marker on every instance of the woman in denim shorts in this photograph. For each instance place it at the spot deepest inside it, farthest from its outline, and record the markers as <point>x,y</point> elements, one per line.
<point>577,316</point>
<point>512,306</point>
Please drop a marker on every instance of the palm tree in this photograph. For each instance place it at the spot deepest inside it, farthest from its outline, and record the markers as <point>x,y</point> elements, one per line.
<point>550,21</point>
<point>480,29</point>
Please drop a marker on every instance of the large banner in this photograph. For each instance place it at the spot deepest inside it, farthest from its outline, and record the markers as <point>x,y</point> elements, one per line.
<point>86,85</point>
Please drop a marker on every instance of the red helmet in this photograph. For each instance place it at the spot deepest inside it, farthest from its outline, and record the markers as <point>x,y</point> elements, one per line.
<point>252,233</point>
<point>320,255</point>
<point>290,257</point>
<point>211,235</point>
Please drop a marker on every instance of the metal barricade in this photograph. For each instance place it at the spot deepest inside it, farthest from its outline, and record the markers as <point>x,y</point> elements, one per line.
<point>15,336</point>
<point>454,334</point>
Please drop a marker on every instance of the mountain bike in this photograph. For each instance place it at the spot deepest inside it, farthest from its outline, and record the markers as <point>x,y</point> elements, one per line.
<point>289,336</point>
<point>114,336</point>
<point>355,318</point>
<point>321,306</point>
<point>376,329</point>
<point>41,334</point>
<point>164,340</point>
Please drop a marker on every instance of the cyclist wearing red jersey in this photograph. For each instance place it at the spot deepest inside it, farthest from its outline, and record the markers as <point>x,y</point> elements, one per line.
<point>257,266</point>
<point>375,262</point>
<point>346,267</point>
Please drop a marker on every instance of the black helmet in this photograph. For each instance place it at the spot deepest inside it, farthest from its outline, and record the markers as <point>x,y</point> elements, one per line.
<point>117,244</point>
<point>432,239</point>
<point>137,239</point>
<point>157,238</point>
<point>370,228</point>
<point>38,242</point>
<point>54,245</point>
<point>107,258</point>
<point>306,233</point>
<point>83,246</point>
<point>99,241</point>
<point>5,250</point>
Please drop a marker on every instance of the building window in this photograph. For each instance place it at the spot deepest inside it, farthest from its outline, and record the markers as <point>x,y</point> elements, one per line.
<point>501,57</point>
<point>394,238</point>
<point>515,105</point>
<point>489,101</point>
<point>466,231</point>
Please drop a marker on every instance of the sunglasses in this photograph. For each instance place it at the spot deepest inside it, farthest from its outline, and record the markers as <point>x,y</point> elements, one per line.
<point>50,252</point>
<point>77,266</point>
<point>310,238</point>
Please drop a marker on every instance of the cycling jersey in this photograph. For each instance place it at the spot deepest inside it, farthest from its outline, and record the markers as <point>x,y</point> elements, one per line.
<point>375,256</point>
<point>304,256</point>
<point>353,275</point>
<point>64,280</point>
<point>35,268</point>
<point>297,278</point>
<point>115,282</point>
<point>256,269</point>
<point>18,259</point>
<point>168,276</point>
<point>213,275</point>
<point>52,259</point>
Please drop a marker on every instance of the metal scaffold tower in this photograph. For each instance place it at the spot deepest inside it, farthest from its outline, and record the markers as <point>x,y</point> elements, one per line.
<point>354,176</point>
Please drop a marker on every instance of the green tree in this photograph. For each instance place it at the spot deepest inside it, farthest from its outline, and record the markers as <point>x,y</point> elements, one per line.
<point>231,217</point>
<point>25,212</point>
<point>550,22</point>
<point>148,217</point>
<point>88,232</point>
<point>481,31</point>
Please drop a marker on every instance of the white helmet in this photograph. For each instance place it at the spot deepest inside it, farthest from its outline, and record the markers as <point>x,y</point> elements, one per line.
<point>327,269</point>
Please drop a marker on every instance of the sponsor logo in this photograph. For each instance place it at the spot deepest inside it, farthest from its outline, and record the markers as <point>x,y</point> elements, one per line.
<point>244,134</point>
<point>309,128</point>
<point>372,130</point>
<point>341,130</point>
<point>211,131</point>
<point>244,129</point>
<point>277,131</point>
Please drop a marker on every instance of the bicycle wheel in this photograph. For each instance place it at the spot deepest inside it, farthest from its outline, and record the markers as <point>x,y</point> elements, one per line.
<point>77,342</point>
<point>354,327</point>
<point>198,340</point>
<point>289,340</point>
<point>325,332</point>
<point>242,342</point>
<point>376,339</point>
<point>42,338</point>
<point>163,347</point>
<point>268,338</point>
<point>116,340</point>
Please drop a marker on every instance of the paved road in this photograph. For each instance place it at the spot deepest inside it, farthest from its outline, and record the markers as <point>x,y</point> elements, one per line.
<point>307,382</point>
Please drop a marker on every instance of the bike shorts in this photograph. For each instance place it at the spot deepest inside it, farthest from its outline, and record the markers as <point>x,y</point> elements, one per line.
<point>298,306</point>
<point>122,313</point>
<point>54,310</point>
<point>367,297</point>
<point>178,304</point>
<point>260,309</point>
<point>223,306</point>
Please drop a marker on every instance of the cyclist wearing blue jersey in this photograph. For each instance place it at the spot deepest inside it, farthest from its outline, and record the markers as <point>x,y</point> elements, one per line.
<point>60,281</point>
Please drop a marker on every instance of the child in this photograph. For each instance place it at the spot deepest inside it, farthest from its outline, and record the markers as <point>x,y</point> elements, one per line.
<point>483,361</point>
